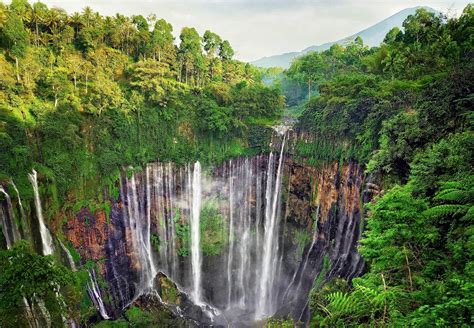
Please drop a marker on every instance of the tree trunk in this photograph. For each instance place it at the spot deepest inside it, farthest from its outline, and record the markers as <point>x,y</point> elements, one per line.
<point>86,80</point>
<point>37,35</point>
<point>309,89</point>
<point>410,280</point>
<point>17,70</point>
<point>385,309</point>
<point>75,82</point>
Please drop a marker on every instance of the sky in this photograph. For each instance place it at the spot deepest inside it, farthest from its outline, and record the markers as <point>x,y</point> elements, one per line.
<point>258,28</point>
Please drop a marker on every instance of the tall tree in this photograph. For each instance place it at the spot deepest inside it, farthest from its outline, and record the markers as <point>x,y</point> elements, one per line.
<point>212,42</point>
<point>190,53</point>
<point>162,40</point>
<point>225,50</point>
<point>16,39</point>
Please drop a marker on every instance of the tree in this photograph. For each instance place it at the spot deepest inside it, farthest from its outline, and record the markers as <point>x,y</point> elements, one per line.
<point>37,16</point>
<point>162,42</point>
<point>190,53</point>
<point>225,50</point>
<point>16,39</point>
<point>143,35</point>
<point>28,280</point>
<point>212,42</point>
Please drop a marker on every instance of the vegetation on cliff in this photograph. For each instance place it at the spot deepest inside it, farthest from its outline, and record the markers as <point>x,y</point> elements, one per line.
<point>82,95</point>
<point>405,110</point>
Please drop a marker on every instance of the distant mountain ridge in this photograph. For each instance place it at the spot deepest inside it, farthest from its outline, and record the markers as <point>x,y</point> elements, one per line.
<point>372,36</point>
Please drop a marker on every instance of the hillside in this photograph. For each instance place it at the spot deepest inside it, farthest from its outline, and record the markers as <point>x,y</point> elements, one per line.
<point>372,36</point>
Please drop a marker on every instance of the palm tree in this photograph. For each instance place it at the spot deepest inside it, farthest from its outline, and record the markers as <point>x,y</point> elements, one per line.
<point>76,22</point>
<point>36,17</point>
<point>88,16</point>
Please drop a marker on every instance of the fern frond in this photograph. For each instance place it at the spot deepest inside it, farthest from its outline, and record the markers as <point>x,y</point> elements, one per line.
<point>341,303</point>
<point>455,195</point>
<point>446,210</point>
<point>469,216</point>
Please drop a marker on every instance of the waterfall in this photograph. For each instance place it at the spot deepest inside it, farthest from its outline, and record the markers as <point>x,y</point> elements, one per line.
<point>22,211</point>
<point>230,257</point>
<point>196,258</point>
<point>162,215</point>
<point>270,242</point>
<point>95,295</point>
<point>138,223</point>
<point>70,260</point>
<point>9,227</point>
<point>305,260</point>
<point>46,239</point>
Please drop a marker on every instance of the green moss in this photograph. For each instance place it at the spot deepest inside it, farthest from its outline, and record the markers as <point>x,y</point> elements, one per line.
<point>318,281</point>
<point>75,254</point>
<point>302,237</point>
<point>169,293</point>
<point>213,229</point>
<point>183,234</point>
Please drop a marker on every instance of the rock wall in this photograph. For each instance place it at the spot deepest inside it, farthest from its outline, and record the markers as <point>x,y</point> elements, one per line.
<point>326,201</point>
<point>319,230</point>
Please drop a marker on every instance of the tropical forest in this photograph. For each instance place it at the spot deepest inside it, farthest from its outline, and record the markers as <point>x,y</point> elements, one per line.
<point>151,175</point>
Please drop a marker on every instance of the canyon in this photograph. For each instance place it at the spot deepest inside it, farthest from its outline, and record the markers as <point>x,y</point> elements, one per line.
<point>238,242</point>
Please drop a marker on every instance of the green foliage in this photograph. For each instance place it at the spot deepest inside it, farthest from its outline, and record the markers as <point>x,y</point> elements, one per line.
<point>169,292</point>
<point>213,229</point>
<point>138,318</point>
<point>83,95</point>
<point>404,109</point>
<point>302,237</point>
<point>279,323</point>
<point>393,100</point>
<point>28,277</point>
<point>183,234</point>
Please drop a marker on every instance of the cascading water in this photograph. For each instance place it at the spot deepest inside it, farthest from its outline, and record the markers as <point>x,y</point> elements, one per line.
<point>95,295</point>
<point>196,260</point>
<point>164,204</point>
<point>22,211</point>
<point>46,239</point>
<point>270,244</point>
<point>69,258</point>
<point>239,257</point>
<point>138,229</point>
<point>9,227</point>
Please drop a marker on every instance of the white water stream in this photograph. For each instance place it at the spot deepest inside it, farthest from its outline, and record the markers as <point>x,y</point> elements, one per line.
<point>46,239</point>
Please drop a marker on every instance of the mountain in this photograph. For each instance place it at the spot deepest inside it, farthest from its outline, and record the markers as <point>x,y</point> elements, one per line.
<point>372,36</point>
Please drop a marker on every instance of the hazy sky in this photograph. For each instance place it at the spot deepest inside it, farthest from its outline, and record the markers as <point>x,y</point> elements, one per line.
<point>258,28</point>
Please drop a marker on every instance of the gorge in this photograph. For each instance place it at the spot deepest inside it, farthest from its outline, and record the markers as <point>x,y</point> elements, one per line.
<point>150,179</point>
<point>243,241</point>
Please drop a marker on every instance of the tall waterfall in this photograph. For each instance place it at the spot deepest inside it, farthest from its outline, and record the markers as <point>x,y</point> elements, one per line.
<point>270,243</point>
<point>138,229</point>
<point>196,255</point>
<point>9,227</point>
<point>22,211</point>
<point>94,293</point>
<point>166,231</point>
<point>46,239</point>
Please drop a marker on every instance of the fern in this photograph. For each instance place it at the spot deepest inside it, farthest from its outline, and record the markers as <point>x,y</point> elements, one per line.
<point>375,297</point>
<point>341,303</point>
<point>446,210</point>
<point>455,196</point>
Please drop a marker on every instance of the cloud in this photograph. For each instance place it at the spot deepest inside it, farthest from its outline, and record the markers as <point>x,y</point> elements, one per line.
<point>258,28</point>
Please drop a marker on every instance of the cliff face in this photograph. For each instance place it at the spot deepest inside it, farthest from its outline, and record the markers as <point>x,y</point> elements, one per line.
<point>327,201</point>
<point>317,213</point>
